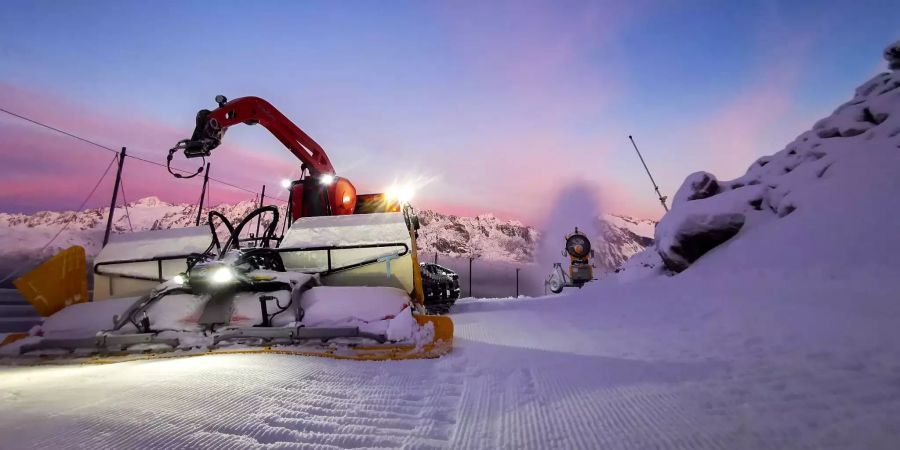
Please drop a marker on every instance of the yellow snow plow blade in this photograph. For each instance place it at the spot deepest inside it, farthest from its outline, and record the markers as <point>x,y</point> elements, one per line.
<point>441,345</point>
<point>58,282</point>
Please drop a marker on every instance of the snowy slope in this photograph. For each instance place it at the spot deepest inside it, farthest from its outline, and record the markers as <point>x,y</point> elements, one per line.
<point>824,205</point>
<point>728,362</point>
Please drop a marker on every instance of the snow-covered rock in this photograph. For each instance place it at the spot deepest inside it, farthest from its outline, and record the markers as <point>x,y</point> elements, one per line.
<point>892,55</point>
<point>698,185</point>
<point>681,239</point>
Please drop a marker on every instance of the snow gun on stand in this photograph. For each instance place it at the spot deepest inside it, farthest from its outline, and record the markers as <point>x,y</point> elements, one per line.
<point>341,280</point>
<point>578,249</point>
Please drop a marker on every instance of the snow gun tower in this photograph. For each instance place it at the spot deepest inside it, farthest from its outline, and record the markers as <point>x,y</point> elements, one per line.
<point>578,249</point>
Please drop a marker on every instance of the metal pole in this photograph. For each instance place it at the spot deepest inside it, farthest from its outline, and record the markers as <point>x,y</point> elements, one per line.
<point>470,276</point>
<point>202,196</point>
<point>517,282</point>
<point>262,201</point>
<point>435,257</point>
<point>662,199</point>
<point>112,204</point>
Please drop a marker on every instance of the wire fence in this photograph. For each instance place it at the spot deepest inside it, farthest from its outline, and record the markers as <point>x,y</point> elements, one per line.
<point>134,170</point>
<point>484,278</point>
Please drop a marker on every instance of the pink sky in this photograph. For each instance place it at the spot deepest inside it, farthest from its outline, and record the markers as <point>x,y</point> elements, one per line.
<point>488,106</point>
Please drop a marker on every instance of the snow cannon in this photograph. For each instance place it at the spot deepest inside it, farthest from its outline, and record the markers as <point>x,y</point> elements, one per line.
<point>578,249</point>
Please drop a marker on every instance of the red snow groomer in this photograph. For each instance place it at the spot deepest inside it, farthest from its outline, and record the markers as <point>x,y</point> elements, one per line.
<point>341,280</point>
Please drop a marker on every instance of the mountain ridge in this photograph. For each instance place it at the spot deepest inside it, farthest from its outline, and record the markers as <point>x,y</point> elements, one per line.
<point>483,236</point>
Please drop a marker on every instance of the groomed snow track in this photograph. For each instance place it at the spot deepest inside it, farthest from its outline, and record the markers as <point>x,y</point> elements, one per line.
<point>656,365</point>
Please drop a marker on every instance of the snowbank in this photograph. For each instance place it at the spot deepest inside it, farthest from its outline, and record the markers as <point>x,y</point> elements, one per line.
<point>379,310</point>
<point>827,200</point>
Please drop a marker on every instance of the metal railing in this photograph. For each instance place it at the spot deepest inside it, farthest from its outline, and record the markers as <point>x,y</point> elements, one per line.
<point>328,249</point>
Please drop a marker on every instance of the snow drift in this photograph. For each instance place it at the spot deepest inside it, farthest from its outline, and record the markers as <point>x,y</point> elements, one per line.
<point>825,202</point>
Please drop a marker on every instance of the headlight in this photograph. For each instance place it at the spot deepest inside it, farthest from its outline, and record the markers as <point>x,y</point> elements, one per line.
<point>400,194</point>
<point>326,179</point>
<point>222,275</point>
<point>178,279</point>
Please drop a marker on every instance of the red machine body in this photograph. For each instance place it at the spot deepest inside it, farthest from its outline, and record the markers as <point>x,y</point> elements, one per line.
<point>319,193</point>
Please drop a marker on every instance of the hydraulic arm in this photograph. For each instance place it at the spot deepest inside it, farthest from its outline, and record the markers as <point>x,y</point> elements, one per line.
<point>319,194</point>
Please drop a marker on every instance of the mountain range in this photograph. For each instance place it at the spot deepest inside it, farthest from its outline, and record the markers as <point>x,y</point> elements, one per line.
<point>24,237</point>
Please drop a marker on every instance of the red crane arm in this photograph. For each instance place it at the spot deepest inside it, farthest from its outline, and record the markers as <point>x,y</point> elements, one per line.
<point>211,126</point>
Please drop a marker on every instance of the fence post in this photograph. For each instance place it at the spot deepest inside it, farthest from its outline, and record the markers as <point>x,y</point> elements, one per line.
<point>470,277</point>
<point>435,257</point>
<point>112,204</point>
<point>202,195</point>
<point>262,201</point>
<point>517,282</point>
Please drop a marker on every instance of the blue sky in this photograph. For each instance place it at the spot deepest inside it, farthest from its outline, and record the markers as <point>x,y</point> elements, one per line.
<point>491,106</point>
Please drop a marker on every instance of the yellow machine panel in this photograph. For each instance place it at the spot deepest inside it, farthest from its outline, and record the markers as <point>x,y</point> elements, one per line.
<point>57,283</point>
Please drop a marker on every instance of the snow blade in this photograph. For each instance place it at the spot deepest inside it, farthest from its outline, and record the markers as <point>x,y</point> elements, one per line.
<point>100,350</point>
<point>57,283</point>
<point>440,345</point>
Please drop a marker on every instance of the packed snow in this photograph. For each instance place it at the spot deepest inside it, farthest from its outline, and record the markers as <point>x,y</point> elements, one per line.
<point>378,310</point>
<point>736,361</point>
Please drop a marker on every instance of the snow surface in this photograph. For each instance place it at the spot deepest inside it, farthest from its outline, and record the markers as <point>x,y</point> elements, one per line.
<point>155,243</point>
<point>374,309</point>
<point>347,230</point>
<point>734,362</point>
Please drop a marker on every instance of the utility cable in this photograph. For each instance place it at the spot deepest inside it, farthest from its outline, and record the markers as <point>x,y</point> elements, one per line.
<point>59,131</point>
<point>41,124</point>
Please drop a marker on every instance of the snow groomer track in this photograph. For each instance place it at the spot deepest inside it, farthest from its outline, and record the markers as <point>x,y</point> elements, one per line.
<point>651,369</point>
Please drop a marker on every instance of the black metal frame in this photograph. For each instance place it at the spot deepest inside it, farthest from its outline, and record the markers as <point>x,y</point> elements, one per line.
<point>330,270</point>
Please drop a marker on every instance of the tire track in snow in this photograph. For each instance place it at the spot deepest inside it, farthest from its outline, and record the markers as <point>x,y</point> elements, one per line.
<point>246,401</point>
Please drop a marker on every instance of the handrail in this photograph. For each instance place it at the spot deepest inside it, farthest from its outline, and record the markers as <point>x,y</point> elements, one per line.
<point>329,270</point>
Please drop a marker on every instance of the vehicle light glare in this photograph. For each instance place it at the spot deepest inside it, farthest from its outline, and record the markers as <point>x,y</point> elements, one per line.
<point>222,275</point>
<point>326,179</point>
<point>401,194</point>
<point>405,194</point>
<point>285,183</point>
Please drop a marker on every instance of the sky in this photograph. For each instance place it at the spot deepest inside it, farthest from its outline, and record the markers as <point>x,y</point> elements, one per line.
<point>487,107</point>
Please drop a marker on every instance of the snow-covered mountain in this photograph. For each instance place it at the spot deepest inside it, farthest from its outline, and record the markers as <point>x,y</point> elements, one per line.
<point>489,238</point>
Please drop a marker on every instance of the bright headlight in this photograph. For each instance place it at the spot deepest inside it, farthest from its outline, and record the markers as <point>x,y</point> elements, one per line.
<point>285,183</point>
<point>178,279</point>
<point>391,193</point>
<point>406,194</point>
<point>400,194</point>
<point>222,275</point>
<point>326,179</point>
